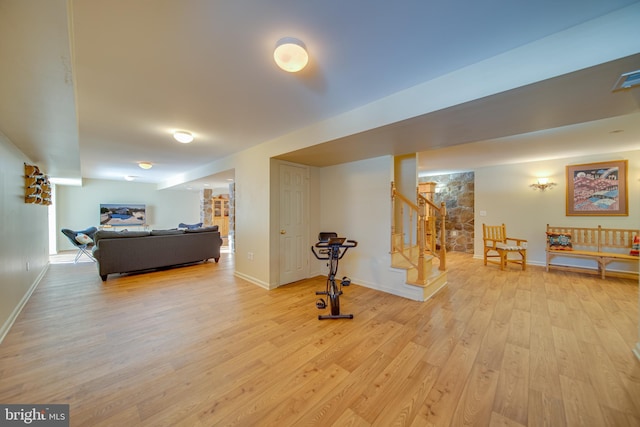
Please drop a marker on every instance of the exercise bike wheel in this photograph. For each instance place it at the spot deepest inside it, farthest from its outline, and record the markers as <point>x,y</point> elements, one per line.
<point>334,301</point>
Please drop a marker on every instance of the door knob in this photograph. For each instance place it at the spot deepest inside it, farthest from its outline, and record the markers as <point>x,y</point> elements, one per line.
<point>283,232</point>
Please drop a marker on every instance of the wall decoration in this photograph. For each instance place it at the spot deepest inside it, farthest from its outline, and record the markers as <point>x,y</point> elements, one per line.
<point>113,214</point>
<point>37,188</point>
<point>597,189</point>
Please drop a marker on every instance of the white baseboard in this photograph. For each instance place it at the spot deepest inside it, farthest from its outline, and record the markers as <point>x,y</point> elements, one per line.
<point>253,280</point>
<point>4,330</point>
<point>405,291</point>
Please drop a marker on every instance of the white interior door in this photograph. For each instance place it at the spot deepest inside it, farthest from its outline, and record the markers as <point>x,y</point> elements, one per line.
<point>294,253</point>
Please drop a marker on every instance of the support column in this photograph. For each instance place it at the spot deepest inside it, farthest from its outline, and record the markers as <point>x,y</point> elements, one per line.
<point>206,207</point>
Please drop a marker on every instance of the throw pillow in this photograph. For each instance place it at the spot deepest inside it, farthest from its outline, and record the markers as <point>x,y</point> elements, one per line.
<point>560,241</point>
<point>189,226</point>
<point>83,239</point>
<point>201,230</point>
<point>635,248</point>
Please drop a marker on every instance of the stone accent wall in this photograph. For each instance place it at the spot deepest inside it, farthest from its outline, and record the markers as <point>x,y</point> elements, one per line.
<point>457,192</point>
<point>206,207</point>
<point>206,212</point>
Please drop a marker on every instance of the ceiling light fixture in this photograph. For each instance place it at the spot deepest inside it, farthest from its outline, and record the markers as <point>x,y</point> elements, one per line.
<point>145,165</point>
<point>183,136</point>
<point>290,54</point>
<point>130,177</point>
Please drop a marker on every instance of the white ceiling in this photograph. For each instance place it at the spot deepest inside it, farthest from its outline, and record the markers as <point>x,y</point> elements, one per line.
<point>92,90</point>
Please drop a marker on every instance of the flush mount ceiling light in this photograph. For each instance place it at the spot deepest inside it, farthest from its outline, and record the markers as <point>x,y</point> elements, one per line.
<point>145,165</point>
<point>183,136</point>
<point>290,54</point>
<point>130,177</point>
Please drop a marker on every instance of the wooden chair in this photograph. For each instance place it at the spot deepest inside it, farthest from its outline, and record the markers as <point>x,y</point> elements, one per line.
<point>498,245</point>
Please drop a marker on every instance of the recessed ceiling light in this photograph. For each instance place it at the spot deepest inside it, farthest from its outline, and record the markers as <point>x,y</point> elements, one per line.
<point>206,185</point>
<point>145,165</point>
<point>183,136</point>
<point>130,177</point>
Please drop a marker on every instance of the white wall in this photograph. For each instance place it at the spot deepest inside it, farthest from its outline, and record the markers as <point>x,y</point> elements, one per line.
<point>79,207</point>
<point>23,236</point>
<point>355,203</point>
<point>503,193</point>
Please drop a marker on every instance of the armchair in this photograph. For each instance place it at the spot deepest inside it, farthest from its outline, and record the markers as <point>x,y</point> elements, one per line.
<point>84,244</point>
<point>498,245</point>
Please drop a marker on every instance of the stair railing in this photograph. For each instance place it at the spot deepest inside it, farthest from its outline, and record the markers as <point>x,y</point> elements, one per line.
<point>404,237</point>
<point>431,213</point>
<point>413,228</point>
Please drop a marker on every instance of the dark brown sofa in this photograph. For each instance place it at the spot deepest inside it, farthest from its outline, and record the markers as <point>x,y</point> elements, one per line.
<point>128,251</point>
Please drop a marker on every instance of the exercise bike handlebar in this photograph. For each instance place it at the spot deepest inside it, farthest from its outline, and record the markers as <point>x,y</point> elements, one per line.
<point>325,248</point>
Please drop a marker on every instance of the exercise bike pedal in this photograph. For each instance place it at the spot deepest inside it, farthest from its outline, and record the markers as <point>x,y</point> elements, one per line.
<point>345,281</point>
<point>321,304</point>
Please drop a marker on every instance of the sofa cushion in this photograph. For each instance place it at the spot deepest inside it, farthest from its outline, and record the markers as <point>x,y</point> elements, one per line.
<point>102,234</point>
<point>166,232</point>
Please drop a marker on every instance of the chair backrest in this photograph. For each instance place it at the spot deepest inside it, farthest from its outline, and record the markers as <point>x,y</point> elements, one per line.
<point>494,232</point>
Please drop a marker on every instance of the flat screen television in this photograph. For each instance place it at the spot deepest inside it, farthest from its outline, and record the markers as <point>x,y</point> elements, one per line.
<point>123,214</point>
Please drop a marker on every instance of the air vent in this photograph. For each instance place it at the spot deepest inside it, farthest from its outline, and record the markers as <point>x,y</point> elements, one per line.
<point>627,81</point>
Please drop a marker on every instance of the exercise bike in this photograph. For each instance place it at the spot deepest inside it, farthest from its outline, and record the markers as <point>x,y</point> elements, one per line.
<point>332,248</point>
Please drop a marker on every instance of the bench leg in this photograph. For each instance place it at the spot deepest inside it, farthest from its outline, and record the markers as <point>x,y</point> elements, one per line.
<point>602,266</point>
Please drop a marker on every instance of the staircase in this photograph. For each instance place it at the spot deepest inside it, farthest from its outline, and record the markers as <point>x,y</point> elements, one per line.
<point>413,241</point>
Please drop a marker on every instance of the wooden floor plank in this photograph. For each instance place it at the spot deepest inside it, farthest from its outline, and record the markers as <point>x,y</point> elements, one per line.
<point>198,346</point>
<point>511,399</point>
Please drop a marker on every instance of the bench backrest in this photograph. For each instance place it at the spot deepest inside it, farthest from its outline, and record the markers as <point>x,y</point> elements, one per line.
<point>597,239</point>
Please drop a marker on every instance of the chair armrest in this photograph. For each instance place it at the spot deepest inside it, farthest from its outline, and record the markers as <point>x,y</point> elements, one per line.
<point>519,242</point>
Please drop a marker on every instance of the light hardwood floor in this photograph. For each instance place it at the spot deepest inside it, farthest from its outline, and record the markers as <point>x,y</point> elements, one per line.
<point>196,346</point>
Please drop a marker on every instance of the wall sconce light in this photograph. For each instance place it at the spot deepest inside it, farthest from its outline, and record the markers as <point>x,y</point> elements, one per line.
<point>543,184</point>
<point>291,54</point>
<point>183,136</point>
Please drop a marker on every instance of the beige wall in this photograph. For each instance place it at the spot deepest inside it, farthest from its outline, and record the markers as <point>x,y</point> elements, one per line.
<point>79,207</point>
<point>355,202</point>
<point>503,193</point>
<point>23,236</point>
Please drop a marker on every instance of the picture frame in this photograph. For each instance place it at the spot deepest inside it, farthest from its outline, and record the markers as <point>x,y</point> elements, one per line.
<point>598,189</point>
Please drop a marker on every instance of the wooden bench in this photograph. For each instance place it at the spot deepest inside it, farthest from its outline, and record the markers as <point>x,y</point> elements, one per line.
<point>605,245</point>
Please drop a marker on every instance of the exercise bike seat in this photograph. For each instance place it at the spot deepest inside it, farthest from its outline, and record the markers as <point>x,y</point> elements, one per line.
<point>324,236</point>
